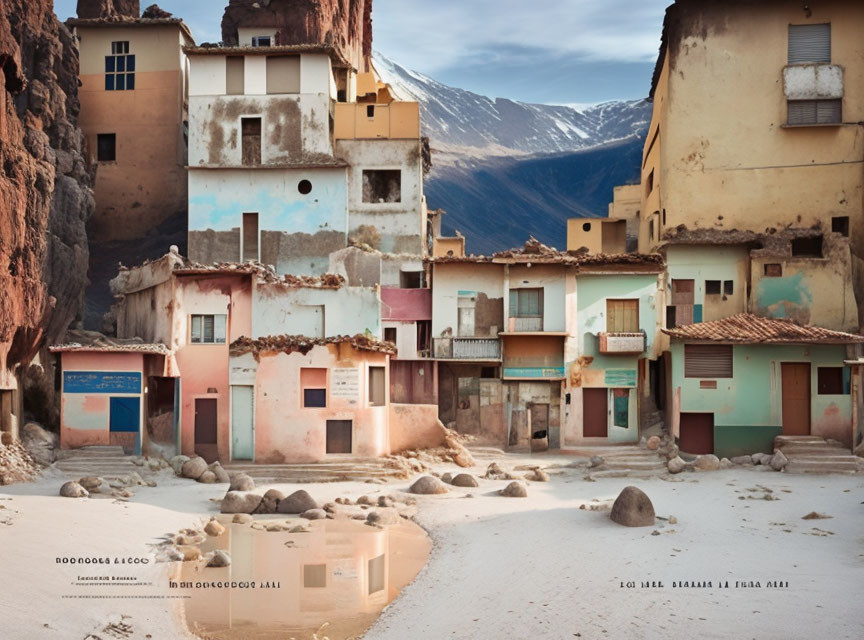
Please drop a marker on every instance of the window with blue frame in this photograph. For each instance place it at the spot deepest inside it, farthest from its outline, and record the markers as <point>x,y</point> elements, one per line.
<point>120,68</point>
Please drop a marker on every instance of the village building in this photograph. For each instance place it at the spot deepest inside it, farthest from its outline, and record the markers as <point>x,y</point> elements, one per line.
<point>133,93</point>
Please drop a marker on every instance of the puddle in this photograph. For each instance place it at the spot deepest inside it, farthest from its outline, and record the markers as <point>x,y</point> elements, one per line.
<point>330,582</point>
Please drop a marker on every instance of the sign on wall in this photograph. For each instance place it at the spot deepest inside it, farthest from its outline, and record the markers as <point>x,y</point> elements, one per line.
<point>101,382</point>
<point>345,383</point>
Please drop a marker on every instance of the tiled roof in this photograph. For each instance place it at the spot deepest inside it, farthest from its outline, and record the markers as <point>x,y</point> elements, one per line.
<point>157,349</point>
<point>746,328</point>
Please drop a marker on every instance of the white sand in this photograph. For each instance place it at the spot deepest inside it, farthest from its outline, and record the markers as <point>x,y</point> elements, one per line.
<point>501,567</point>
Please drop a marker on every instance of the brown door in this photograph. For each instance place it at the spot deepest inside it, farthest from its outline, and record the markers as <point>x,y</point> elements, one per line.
<point>796,398</point>
<point>339,436</point>
<point>697,433</point>
<point>595,412</point>
<point>539,426</point>
<point>205,429</point>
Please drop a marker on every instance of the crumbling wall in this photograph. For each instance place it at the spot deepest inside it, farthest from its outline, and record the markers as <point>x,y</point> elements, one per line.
<point>45,197</point>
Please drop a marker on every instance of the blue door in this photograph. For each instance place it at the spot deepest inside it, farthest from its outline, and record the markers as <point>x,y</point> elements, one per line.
<point>125,417</point>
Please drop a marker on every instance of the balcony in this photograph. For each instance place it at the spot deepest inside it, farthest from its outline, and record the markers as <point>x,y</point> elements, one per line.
<point>393,121</point>
<point>468,348</point>
<point>622,343</point>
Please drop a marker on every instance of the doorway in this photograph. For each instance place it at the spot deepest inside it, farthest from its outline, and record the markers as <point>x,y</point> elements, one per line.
<point>795,378</point>
<point>595,412</point>
<point>242,423</point>
<point>205,429</point>
<point>539,426</point>
<point>697,433</point>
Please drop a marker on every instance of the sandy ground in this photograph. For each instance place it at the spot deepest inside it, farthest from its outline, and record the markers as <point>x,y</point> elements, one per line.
<point>500,567</point>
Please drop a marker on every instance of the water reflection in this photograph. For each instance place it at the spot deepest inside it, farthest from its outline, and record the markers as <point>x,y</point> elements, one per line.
<point>340,574</point>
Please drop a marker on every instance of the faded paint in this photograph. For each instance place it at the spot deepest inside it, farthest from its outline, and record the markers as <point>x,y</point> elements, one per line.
<point>406,304</point>
<point>598,235</point>
<point>449,279</point>
<point>551,280</point>
<point>415,426</point>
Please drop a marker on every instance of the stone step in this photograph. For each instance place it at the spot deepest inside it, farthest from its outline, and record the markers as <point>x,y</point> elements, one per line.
<point>849,468</point>
<point>781,440</point>
<point>825,452</point>
<point>826,459</point>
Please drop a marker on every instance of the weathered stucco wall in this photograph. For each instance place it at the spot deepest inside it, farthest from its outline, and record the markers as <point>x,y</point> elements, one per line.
<point>551,280</point>
<point>487,281</point>
<point>415,426</point>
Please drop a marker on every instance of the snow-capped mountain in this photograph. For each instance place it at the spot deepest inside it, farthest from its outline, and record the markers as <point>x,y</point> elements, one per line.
<point>465,123</point>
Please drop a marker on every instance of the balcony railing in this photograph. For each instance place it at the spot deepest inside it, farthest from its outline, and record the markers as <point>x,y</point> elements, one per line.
<point>525,323</point>
<point>468,348</point>
<point>622,343</point>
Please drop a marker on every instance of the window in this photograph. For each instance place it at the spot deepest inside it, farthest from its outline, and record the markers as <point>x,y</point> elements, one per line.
<point>707,361</point>
<point>304,187</point>
<point>370,111</point>
<point>840,224</point>
<point>586,226</point>
<point>807,247</point>
<point>488,372</point>
<point>314,576</point>
<point>670,317</point>
<point>773,270</point>
<point>283,74</point>
<point>526,303</point>
<point>832,381</point>
<point>622,316</point>
<point>683,308</point>
<point>728,287</point>
<point>377,568</point>
<point>649,183</point>
<point>235,75</point>
<point>313,382</point>
<point>377,391</point>
<point>651,229</point>
<point>261,41</point>
<point>339,436</point>
<point>809,43</point>
<point>712,287</point>
<point>251,130</point>
<point>390,334</point>
<point>120,68</point>
<point>707,384</point>
<point>814,111</point>
<point>411,279</point>
<point>250,236</point>
<point>424,335</point>
<point>209,329</point>
<point>106,147</point>
<point>382,185</point>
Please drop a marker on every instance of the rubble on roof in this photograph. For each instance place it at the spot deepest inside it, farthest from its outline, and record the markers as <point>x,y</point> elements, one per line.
<point>81,340</point>
<point>155,11</point>
<point>304,344</point>
<point>746,328</point>
<point>266,274</point>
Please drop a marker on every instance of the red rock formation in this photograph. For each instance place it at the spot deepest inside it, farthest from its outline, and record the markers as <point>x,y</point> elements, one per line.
<point>108,8</point>
<point>344,24</point>
<point>44,187</point>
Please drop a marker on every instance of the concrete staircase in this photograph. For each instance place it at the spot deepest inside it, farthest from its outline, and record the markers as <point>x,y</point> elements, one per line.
<point>104,461</point>
<point>336,469</point>
<point>811,454</point>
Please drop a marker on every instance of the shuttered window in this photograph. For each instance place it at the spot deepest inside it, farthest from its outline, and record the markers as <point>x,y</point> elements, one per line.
<point>814,111</point>
<point>622,316</point>
<point>707,361</point>
<point>809,43</point>
<point>526,303</point>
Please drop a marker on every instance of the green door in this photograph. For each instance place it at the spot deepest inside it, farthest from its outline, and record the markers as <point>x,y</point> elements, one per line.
<point>242,423</point>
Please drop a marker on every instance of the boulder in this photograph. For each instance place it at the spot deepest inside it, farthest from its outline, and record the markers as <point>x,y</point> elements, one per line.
<point>725,463</point>
<point>40,443</point>
<point>428,485</point>
<point>707,462</point>
<point>514,490</point>
<point>539,476</point>
<point>382,517</point>
<point>208,477</point>
<point>653,443</point>
<point>762,458</point>
<point>240,502</point>
<point>72,489</point>
<point>672,451</point>
<point>365,500</point>
<point>194,468</point>
<point>219,472</point>
<point>219,559</point>
<point>596,461</point>
<point>676,465</point>
<point>632,508</point>
<point>270,501</point>
<point>242,518</point>
<point>465,480</point>
<point>177,463</point>
<point>298,502</point>
<point>385,501</point>
<point>214,528</point>
<point>314,514</point>
<point>190,553</point>
<point>93,484</point>
<point>495,472</point>
<point>742,460</point>
<point>778,460</point>
<point>241,482</point>
<point>447,477</point>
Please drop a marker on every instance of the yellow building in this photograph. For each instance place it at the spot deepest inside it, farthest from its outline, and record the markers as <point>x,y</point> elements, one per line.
<point>754,160</point>
<point>133,111</point>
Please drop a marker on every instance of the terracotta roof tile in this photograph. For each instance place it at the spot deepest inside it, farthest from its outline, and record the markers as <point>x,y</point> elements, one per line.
<point>746,328</point>
<point>157,349</point>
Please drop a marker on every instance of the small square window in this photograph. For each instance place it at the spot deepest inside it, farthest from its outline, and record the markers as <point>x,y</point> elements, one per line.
<point>832,381</point>
<point>370,111</point>
<point>840,224</point>
<point>390,334</point>
<point>712,287</point>
<point>488,372</point>
<point>382,185</point>
<point>377,390</point>
<point>728,287</point>
<point>314,398</point>
<point>810,247</point>
<point>208,329</point>
<point>261,41</point>
<point>773,270</point>
<point>106,147</point>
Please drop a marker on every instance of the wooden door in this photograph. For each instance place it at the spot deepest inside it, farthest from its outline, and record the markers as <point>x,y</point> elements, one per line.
<point>595,413</point>
<point>796,398</point>
<point>339,436</point>
<point>205,429</point>
<point>697,433</point>
<point>242,423</point>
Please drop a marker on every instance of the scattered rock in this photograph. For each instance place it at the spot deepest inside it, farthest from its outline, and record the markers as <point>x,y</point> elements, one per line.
<point>365,500</point>
<point>632,508</point>
<point>194,468</point>
<point>40,443</point>
<point>73,490</point>
<point>761,458</point>
<point>298,502</point>
<point>171,554</point>
<point>596,461</point>
<point>676,465</point>
<point>725,463</point>
<point>813,515</point>
<point>708,462</point>
<point>778,460</point>
<point>219,559</point>
<point>742,460</point>
<point>314,514</point>
<point>93,484</point>
<point>385,501</point>
<point>358,516</point>
<point>538,476</point>
<point>214,528</point>
<point>208,477</point>
<point>177,463</point>
<point>242,518</point>
<point>270,501</point>
<point>495,472</point>
<point>427,485</point>
<point>653,443</point>
<point>672,451</point>
<point>122,493</point>
<point>240,502</point>
<point>514,490</point>
<point>190,553</point>
<point>673,520</point>
<point>382,517</point>
<point>465,480</point>
<point>241,482</point>
<point>447,477</point>
<point>220,473</point>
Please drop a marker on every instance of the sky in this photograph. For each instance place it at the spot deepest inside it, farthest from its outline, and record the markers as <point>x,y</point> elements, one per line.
<point>546,51</point>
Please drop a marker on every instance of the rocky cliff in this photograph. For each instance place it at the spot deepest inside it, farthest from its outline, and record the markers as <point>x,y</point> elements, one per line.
<point>45,197</point>
<point>108,8</point>
<point>344,24</point>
